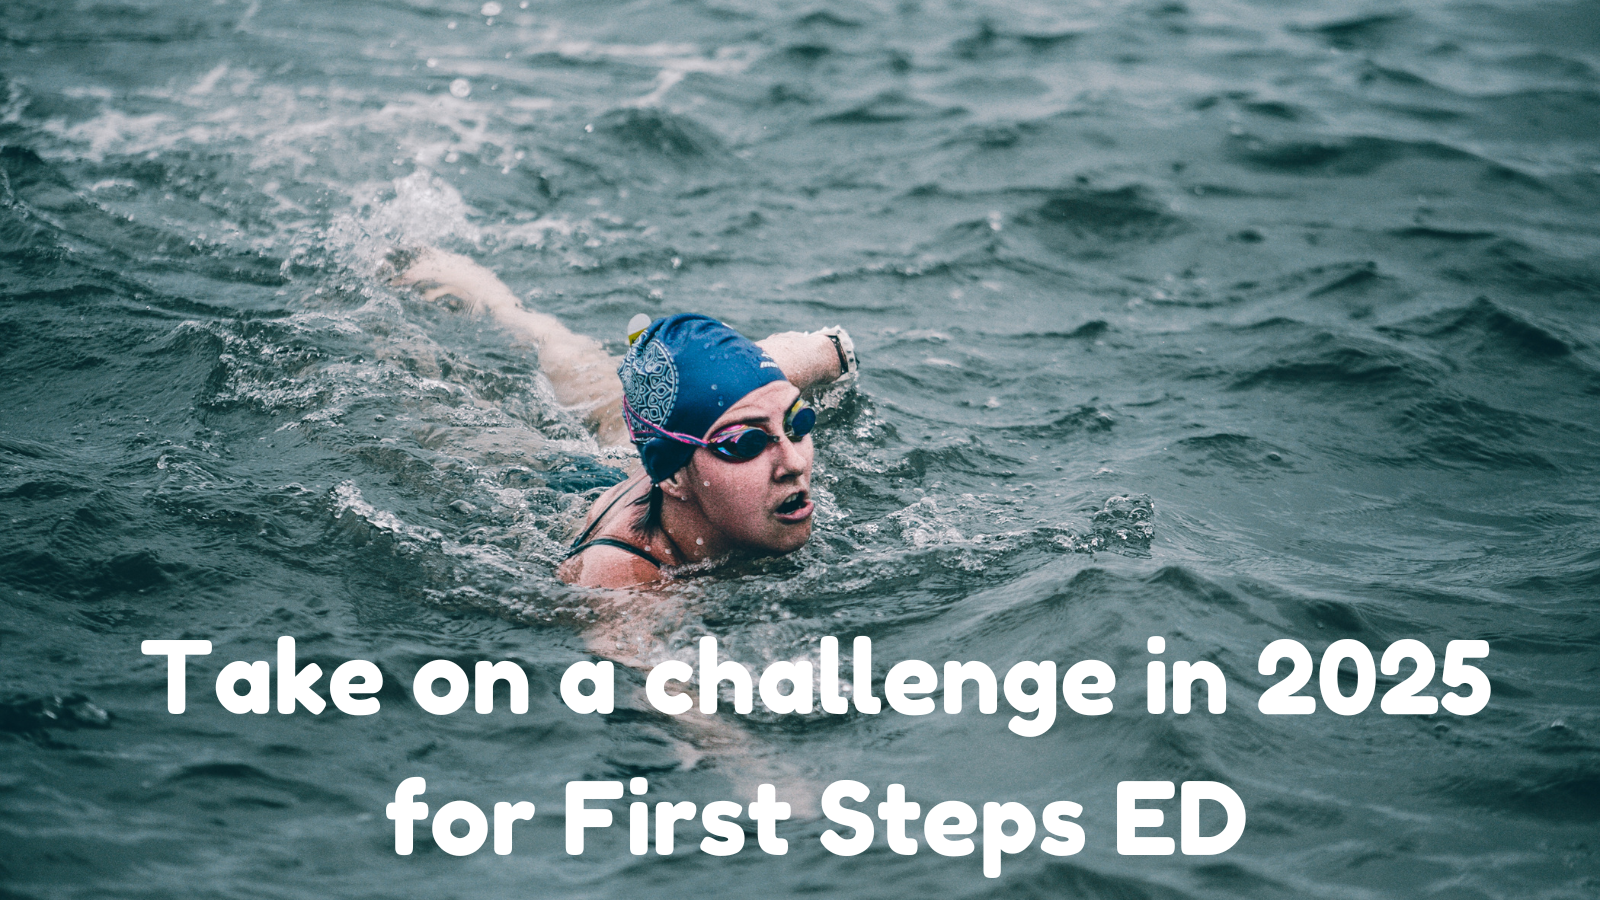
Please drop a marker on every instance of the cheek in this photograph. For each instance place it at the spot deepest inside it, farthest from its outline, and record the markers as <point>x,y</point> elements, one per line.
<point>736,498</point>
<point>728,492</point>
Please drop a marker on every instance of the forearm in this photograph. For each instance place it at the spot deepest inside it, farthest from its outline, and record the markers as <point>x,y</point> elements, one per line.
<point>581,373</point>
<point>808,359</point>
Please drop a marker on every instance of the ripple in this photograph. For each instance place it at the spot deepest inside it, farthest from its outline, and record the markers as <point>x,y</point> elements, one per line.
<point>1485,327</point>
<point>1367,32</point>
<point>1328,360</point>
<point>1088,222</point>
<point>889,107</point>
<point>664,134</point>
<point>37,716</point>
<point>1344,157</point>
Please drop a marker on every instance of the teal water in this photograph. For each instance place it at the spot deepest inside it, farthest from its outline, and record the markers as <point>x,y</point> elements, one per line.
<point>1309,291</point>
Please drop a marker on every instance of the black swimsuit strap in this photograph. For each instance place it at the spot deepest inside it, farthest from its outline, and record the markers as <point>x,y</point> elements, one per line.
<point>620,545</point>
<point>584,542</point>
<point>598,519</point>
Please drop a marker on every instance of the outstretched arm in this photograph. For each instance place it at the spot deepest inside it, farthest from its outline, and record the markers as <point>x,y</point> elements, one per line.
<point>583,374</point>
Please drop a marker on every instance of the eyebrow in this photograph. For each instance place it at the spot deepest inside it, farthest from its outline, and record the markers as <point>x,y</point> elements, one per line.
<point>758,419</point>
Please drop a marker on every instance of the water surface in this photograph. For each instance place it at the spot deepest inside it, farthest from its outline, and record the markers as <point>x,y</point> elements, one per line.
<point>1310,290</point>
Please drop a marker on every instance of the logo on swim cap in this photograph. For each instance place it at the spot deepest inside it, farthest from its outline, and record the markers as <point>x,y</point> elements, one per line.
<point>650,382</point>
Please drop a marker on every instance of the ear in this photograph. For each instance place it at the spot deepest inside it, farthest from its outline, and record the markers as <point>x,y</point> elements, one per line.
<point>676,487</point>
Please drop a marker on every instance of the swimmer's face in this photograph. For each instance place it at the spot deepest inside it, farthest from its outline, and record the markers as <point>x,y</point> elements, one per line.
<point>764,504</point>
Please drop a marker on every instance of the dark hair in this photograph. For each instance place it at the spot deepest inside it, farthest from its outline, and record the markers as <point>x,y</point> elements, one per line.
<point>649,519</point>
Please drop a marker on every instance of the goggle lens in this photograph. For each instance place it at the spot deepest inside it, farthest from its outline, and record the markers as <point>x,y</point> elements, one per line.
<point>800,421</point>
<point>749,442</point>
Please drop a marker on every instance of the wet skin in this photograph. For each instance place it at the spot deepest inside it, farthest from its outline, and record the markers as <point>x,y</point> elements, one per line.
<point>713,506</point>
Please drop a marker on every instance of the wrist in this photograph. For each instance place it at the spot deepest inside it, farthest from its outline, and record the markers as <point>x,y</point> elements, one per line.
<point>843,350</point>
<point>840,353</point>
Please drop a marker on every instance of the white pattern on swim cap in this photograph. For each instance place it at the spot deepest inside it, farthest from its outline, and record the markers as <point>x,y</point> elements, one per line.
<point>650,382</point>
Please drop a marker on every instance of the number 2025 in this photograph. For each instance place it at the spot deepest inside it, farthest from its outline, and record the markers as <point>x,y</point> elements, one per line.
<point>1282,698</point>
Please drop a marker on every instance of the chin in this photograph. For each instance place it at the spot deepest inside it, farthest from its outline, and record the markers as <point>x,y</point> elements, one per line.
<point>785,542</point>
<point>792,542</point>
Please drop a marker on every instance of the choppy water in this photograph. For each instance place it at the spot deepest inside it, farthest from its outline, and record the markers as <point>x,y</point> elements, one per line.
<point>1320,282</point>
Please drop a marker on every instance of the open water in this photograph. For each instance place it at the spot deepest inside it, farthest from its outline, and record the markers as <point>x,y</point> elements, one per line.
<point>1219,320</point>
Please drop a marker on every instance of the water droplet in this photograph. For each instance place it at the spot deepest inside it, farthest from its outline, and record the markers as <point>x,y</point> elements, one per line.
<point>699,540</point>
<point>460,88</point>
<point>490,9</point>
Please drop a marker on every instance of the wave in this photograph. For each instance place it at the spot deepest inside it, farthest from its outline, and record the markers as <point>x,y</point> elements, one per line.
<point>1471,432</point>
<point>989,42</point>
<point>1237,454</point>
<point>663,134</point>
<point>1366,32</point>
<point>1522,270</point>
<point>36,717</point>
<point>240,785</point>
<point>1541,114</point>
<point>888,107</point>
<point>1486,327</point>
<point>1567,793</point>
<point>1329,360</point>
<point>826,18</point>
<point>1356,280</point>
<point>92,577</point>
<point>1278,109</point>
<point>1086,222</point>
<point>1337,156</point>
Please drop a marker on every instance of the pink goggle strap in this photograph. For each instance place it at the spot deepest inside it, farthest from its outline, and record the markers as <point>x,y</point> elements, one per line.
<point>637,423</point>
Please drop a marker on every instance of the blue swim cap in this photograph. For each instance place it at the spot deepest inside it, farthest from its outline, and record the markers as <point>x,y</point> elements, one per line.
<point>681,374</point>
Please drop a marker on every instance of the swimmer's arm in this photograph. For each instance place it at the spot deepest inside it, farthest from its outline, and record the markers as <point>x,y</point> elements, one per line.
<point>809,359</point>
<point>581,372</point>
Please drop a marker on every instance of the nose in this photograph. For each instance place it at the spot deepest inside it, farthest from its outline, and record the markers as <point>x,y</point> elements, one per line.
<point>790,460</point>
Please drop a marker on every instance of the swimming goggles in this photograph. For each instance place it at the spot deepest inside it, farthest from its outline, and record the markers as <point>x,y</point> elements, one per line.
<point>739,443</point>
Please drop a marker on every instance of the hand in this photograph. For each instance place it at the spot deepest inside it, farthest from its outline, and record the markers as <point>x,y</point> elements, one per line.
<point>438,274</point>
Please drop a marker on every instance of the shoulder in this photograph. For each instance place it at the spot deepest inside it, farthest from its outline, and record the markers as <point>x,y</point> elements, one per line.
<point>601,566</point>
<point>606,566</point>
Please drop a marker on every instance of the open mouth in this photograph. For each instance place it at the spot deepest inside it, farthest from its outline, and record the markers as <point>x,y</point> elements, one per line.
<point>794,504</point>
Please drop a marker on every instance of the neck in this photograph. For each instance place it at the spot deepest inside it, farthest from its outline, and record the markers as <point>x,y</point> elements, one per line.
<point>685,525</point>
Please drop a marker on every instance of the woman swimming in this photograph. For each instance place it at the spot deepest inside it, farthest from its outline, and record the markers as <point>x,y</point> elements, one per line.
<point>724,468</point>
<point>722,432</point>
